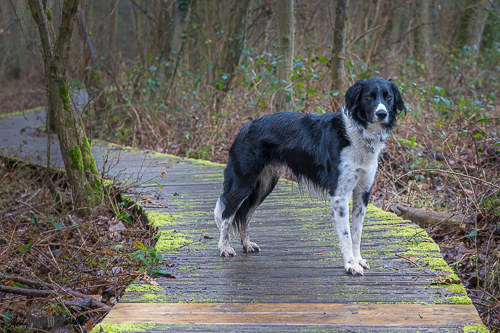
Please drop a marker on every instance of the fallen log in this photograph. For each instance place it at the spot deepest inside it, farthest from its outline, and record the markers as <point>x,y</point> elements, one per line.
<point>427,218</point>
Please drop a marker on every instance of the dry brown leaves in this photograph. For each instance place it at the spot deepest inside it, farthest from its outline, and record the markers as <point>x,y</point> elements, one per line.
<point>41,242</point>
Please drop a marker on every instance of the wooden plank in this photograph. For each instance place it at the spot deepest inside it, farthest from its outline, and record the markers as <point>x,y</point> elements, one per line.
<point>357,315</point>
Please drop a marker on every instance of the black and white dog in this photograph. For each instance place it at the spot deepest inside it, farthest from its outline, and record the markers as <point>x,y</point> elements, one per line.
<point>334,155</point>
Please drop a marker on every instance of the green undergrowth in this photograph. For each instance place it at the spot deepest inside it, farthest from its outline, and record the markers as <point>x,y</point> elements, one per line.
<point>478,328</point>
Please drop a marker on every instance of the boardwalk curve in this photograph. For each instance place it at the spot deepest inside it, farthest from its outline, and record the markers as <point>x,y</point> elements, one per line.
<point>296,283</point>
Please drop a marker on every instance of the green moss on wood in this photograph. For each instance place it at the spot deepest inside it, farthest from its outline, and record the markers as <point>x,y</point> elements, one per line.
<point>142,288</point>
<point>12,114</point>
<point>75,156</point>
<point>64,95</point>
<point>160,219</point>
<point>118,328</point>
<point>171,240</point>
<point>87,155</point>
<point>92,173</point>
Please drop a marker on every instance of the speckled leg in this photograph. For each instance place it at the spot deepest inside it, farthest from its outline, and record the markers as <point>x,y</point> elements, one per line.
<point>224,248</point>
<point>358,216</point>
<point>340,216</point>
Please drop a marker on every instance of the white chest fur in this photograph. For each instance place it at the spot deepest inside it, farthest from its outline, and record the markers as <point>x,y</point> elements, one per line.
<point>359,160</point>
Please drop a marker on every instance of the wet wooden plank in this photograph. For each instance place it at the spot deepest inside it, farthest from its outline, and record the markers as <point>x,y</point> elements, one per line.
<point>357,315</point>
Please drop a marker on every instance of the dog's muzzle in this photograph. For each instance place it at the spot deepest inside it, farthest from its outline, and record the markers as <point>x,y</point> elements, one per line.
<point>381,113</point>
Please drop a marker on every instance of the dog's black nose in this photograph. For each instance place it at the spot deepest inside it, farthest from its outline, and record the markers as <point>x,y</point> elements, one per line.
<point>381,114</point>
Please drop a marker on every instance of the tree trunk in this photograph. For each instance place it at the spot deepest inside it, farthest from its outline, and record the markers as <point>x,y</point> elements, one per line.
<point>396,27</point>
<point>476,26</point>
<point>339,41</point>
<point>139,33</point>
<point>235,42</point>
<point>472,20</point>
<point>374,22</point>
<point>78,160</point>
<point>113,39</point>
<point>93,80</point>
<point>182,11</point>
<point>285,53</point>
<point>423,35</point>
<point>268,13</point>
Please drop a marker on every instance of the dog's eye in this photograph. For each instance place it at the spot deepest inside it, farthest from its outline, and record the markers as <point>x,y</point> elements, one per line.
<point>368,97</point>
<point>389,97</point>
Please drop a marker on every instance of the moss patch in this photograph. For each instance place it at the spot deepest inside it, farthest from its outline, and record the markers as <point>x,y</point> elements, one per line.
<point>147,296</point>
<point>374,211</point>
<point>160,219</point>
<point>64,95</point>
<point>478,328</point>
<point>171,240</point>
<point>8,115</point>
<point>88,151</point>
<point>118,328</point>
<point>142,288</point>
<point>75,155</point>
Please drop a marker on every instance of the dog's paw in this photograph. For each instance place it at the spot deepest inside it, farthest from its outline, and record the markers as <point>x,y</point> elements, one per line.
<point>353,268</point>
<point>226,251</point>
<point>363,263</point>
<point>250,247</point>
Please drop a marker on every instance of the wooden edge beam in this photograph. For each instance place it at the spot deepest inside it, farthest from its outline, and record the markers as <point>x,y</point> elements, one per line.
<point>390,315</point>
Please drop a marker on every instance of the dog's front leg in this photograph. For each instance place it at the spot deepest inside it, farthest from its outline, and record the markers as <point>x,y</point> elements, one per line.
<point>358,216</point>
<point>224,248</point>
<point>340,217</point>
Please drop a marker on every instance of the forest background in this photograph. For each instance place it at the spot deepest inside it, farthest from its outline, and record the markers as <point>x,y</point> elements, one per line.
<point>182,76</point>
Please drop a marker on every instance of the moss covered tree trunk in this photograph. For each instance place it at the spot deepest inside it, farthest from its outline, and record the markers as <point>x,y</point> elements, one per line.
<point>78,160</point>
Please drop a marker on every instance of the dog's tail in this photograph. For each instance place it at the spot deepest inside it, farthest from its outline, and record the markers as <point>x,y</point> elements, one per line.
<point>219,208</point>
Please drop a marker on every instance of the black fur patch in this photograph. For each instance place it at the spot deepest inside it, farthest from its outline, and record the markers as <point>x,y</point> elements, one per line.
<point>342,211</point>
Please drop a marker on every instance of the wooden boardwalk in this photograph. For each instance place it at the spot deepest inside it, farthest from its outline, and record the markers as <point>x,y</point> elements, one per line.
<point>296,283</point>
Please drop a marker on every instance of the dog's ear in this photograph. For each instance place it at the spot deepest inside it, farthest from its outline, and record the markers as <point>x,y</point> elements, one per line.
<point>399,104</point>
<point>352,94</point>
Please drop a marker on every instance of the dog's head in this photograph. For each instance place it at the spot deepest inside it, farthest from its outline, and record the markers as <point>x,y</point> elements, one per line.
<point>376,100</point>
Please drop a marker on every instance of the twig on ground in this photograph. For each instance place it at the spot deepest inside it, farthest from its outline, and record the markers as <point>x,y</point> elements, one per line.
<point>95,303</point>
<point>409,260</point>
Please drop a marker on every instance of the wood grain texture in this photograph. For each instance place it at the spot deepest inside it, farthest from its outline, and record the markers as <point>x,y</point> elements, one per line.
<point>391,315</point>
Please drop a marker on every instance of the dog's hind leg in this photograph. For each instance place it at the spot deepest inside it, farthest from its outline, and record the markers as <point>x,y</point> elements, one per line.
<point>359,203</point>
<point>225,213</point>
<point>263,187</point>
